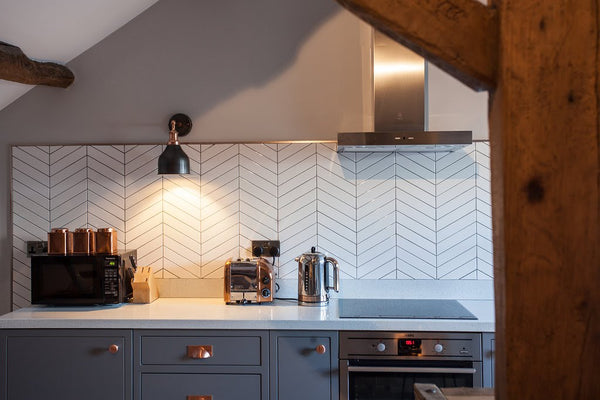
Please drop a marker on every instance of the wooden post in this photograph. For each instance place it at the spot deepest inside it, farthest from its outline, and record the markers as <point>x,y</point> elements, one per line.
<point>545,135</point>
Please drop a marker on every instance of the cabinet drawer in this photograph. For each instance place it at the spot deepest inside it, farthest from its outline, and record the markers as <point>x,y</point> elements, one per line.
<point>219,386</point>
<point>221,350</point>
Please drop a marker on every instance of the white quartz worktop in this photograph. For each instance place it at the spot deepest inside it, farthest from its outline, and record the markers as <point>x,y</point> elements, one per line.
<point>212,313</point>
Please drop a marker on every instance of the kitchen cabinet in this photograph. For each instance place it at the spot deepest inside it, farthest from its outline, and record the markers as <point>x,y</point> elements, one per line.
<point>66,364</point>
<point>152,364</point>
<point>304,365</point>
<point>488,343</point>
<point>206,364</point>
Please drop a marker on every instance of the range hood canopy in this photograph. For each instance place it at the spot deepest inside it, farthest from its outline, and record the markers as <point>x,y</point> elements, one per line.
<point>399,88</point>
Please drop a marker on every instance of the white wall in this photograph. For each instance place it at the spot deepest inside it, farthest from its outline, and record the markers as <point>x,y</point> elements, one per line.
<point>454,106</point>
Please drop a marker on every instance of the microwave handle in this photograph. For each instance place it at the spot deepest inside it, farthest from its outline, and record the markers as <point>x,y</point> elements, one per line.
<point>414,370</point>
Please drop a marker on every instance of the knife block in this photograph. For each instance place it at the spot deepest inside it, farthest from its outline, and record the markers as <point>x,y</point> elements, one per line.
<point>145,289</point>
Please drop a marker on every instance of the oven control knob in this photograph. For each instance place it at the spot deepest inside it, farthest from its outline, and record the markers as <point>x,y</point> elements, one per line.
<point>438,348</point>
<point>380,347</point>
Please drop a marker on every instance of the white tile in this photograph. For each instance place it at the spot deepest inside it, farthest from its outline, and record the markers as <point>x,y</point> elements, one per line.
<point>456,256</point>
<point>68,187</point>
<point>220,207</point>
<point>415,264</point>
<point>456,237</point>
<point>258,192</point>
<point>464,208</point>
<point>181,225</point>
<point>381,264</point>
<point>464,270</point>
<point>106,189</point>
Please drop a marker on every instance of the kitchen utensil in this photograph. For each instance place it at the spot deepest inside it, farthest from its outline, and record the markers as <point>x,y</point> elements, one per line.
<point>313,278</point>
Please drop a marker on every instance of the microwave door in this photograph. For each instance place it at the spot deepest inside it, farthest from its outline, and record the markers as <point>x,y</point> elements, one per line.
<point>73,281</point>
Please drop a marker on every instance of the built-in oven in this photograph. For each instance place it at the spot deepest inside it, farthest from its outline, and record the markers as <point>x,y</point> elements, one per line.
<point>386,365</point>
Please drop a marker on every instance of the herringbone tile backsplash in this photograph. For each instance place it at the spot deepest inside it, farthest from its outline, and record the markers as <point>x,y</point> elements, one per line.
<point>382,215</point>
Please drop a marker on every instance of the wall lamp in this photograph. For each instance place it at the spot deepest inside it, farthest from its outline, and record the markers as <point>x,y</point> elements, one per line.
<point>174,160</point>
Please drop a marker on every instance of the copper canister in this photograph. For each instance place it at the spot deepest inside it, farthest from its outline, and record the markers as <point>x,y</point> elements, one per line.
<point>60,241</point>
<point>84,241</point>
<point>106,241</point>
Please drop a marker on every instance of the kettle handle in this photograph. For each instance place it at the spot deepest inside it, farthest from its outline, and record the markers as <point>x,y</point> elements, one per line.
<point>336,274</point>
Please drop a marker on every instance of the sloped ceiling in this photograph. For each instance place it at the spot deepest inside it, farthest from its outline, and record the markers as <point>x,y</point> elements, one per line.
<point>59,30</point>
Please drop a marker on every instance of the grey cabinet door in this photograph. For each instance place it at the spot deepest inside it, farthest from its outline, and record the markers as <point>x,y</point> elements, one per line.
<point>67,365</point>
<point>299,371</point>
<point>488,359</point>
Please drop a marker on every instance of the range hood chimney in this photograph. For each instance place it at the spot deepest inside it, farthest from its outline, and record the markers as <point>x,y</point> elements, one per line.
<point>399,106</point>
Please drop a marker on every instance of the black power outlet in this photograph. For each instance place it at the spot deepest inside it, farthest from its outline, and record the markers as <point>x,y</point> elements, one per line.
<point>37,247</point>
<point>265,248</point>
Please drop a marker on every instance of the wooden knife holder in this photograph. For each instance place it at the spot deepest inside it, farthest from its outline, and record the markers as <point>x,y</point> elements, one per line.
<point>145,289</point>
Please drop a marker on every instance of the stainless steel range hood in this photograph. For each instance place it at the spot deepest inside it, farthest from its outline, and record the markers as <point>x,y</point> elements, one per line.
<point>399,88</point>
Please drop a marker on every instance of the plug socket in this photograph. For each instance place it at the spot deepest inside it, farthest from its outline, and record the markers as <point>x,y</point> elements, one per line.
<point>37,247</point>
<point>266,248</point>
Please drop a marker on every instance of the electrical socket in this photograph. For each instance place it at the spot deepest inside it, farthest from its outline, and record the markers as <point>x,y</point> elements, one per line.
<point>37,247</point>
<point>266,248</point>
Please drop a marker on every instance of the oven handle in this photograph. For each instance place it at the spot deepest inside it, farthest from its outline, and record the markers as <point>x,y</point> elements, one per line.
<point>414,370</point>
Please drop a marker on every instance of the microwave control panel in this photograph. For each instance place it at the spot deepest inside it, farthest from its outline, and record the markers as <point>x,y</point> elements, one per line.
<point>111,279</point>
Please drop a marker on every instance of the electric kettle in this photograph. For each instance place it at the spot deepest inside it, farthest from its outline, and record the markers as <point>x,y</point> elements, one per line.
<point>313,278</point>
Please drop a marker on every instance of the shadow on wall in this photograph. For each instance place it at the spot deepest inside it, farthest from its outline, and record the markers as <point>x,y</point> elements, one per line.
<point>178,56</point>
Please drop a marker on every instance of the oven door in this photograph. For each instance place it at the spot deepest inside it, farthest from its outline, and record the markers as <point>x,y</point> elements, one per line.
<point>67,280</point>
<point>387,380</point>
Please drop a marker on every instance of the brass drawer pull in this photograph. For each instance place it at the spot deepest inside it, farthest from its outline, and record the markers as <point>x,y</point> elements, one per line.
<point>207,397</point>
<point>204,351</point>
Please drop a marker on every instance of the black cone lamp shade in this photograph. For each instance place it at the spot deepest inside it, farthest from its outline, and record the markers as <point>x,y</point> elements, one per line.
<point>174,160</point>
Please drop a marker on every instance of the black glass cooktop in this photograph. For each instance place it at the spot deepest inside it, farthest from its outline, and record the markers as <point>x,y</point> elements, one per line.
<point>403,309</point>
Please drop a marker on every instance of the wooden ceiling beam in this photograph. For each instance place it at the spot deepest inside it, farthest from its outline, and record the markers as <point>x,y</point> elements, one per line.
<point>459,36</point>
<point>17,67</point>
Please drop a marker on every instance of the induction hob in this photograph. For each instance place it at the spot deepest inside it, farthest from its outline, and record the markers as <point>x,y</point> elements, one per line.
<point>403,309</point>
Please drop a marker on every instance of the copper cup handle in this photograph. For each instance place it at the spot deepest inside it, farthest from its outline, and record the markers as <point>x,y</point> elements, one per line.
<point>321,349</point>
<point>204,351</point>
<point>205,397</point>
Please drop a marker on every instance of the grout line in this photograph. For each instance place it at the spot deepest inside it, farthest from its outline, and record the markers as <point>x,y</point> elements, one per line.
<point>396,213</point>
<point>476,165</point>
<point>435,179</point>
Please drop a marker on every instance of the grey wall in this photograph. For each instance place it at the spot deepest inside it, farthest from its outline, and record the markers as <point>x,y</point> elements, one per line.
<point>243,70</point>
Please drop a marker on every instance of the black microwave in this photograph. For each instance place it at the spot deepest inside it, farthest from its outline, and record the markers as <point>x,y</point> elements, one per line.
<point>82,279</point>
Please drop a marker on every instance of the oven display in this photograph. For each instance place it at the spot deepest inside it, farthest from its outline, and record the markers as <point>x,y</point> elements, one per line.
<point>409,347</point>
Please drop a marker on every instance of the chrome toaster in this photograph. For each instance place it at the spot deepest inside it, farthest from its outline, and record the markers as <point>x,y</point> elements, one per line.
<point>249,281</point>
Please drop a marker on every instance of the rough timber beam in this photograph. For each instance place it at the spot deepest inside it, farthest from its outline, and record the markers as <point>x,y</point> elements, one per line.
<point>459,36</point>
<point>17,67</point>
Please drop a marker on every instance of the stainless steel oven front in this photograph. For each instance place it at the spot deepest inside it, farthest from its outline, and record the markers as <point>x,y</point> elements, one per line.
<point>385,365</point>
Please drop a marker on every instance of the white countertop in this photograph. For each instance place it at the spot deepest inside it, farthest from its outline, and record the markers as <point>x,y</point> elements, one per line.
<point>212,313</point>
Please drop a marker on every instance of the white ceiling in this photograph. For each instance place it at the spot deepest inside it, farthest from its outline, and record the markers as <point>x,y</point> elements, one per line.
<point>59,30</point>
